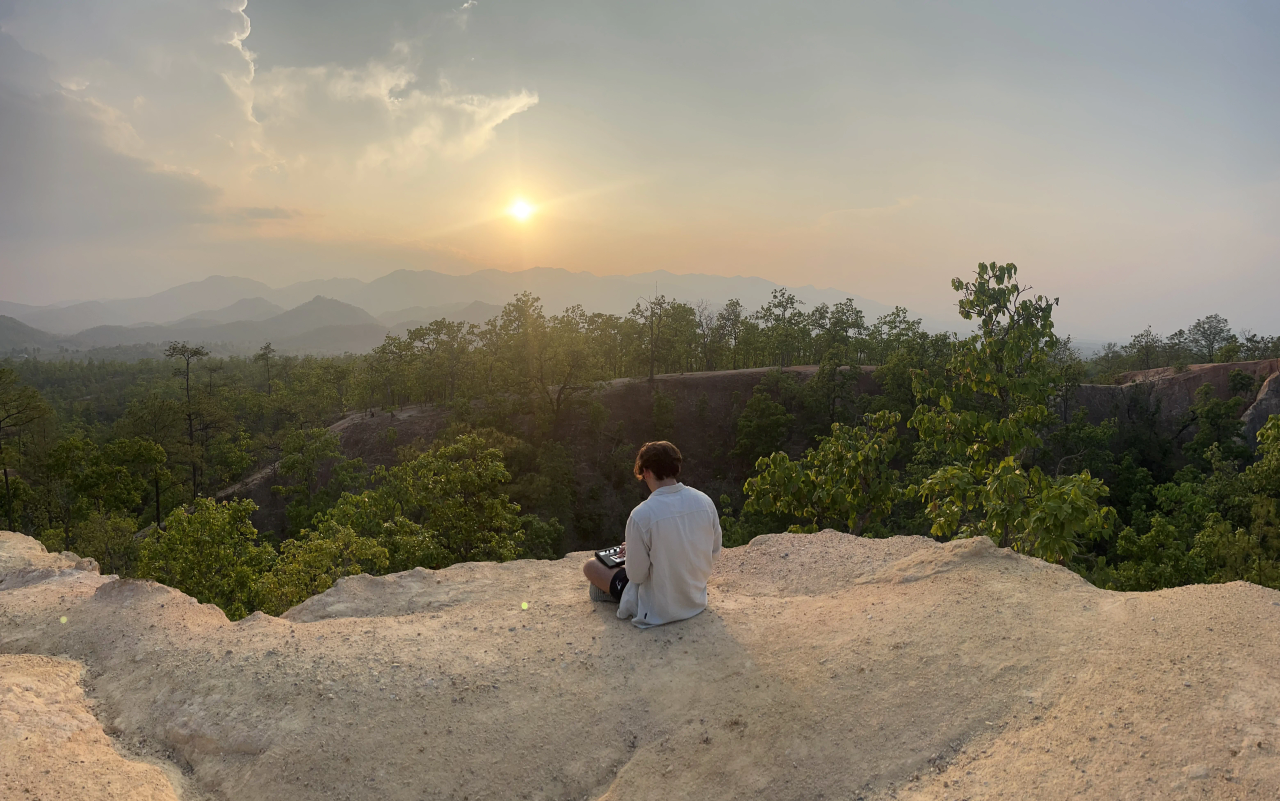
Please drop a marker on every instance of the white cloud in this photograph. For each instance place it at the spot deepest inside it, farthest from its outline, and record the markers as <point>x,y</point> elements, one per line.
<point>462,15</point>
<point>136,135</point>
<point>374,117</point>
<point>175,83</point>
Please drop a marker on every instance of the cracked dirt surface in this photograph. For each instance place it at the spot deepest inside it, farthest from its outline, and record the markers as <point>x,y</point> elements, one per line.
<point>826,667</point>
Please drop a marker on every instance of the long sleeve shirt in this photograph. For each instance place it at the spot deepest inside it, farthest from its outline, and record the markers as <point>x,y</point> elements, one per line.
<point>672,540</point>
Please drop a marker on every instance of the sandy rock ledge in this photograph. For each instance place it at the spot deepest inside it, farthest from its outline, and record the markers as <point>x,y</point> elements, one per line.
<point>827,667</point>
<point>53,748</point>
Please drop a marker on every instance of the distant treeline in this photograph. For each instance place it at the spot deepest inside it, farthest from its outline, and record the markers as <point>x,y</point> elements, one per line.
<point>1206,341</point>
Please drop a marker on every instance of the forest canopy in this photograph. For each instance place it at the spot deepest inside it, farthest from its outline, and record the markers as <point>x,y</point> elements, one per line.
<point>977,435</point>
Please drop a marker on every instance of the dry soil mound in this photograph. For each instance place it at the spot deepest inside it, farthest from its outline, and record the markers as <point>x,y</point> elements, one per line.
<point>827,667</point>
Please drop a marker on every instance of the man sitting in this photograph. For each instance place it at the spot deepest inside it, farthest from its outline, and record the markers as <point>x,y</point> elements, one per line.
<point>671,540</point>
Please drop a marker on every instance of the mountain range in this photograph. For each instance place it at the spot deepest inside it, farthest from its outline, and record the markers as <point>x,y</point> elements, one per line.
<point>349,315</point>
<point>403,289</point>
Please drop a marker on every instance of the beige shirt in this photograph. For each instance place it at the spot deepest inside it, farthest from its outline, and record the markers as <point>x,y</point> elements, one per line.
<point>672,539</point>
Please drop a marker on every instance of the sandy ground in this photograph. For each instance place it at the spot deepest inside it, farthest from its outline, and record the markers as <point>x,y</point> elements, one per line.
<point>53,748</point>
<point>827,667</point>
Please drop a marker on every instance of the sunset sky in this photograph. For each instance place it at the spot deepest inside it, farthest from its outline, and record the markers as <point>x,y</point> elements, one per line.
<point>1125,154</point>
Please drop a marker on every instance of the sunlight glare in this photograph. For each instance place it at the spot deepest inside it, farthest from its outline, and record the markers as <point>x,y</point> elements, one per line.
<point>521,209</point>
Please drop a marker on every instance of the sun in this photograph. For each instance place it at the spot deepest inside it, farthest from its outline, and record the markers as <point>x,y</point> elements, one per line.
<point>521,209</point>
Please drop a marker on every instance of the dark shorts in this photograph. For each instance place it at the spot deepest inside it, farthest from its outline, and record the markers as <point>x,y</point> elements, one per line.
<point>618,583</point>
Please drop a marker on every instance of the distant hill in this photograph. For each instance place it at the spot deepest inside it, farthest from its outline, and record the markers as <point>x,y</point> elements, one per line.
<point>292,325</point>
<point>408,295</point>
<point>246,309</point>
<point>560,289</point>
<point>333,339</point>
<point>181,301</point>
<point>316,313</point>
<point>17,310</point>
<point>476,312</point>
<point>18,336</point>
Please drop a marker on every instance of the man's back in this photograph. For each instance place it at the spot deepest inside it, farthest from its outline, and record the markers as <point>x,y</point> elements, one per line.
<point>672,540</point>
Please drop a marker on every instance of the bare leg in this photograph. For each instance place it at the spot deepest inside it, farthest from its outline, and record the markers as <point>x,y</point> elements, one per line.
<point>598,574</point>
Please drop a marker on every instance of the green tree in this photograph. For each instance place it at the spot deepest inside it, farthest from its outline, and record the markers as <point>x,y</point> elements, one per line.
<point>1180,350</point>
<point>1216,422</point>
<point>1220,526</point>
<point>664,415</point>
<point>147,463</point>
<point>653,315</point>
<point>785,327</point>
<point>1244,384</point>
<point>228,456</point>
<point>731,321</point>
<point>211,553</point>
<point>309,457</point>
<point>1255,346</point>
<point>1145,349</point>
<point>445,346</point>
<point>1243,553</point>
<point>847,481</point>
<point>447,505</point>
<point>312,564</point>
<point>607,339</point>
<point>85,479</point>
<point>986,414</point>
<point>564,367</point>
<point>1208,335</point>
<point>835,331</point>
<point>1162,556</point>
<point>1236,546</point>
<point>263,357</point>
<point>20,406</point>
<point>762,427</point>
<point>681,348</point>
<point>188,353</point>
<point>112,539</point>
<point>710,336</point>
<point>388,373</point>
<point>317,390</point>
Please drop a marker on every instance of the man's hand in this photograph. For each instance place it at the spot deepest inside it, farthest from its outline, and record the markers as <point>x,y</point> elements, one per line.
<point>623,552</point>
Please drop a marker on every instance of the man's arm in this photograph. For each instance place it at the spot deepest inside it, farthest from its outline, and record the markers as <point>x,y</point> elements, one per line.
<point>719,535</point>
<point>638,563</point>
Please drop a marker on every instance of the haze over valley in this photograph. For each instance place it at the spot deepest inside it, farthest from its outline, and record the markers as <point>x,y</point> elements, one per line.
<point>335,316</point>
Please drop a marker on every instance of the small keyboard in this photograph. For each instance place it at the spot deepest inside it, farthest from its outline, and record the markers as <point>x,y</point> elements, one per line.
<point>612,557</point>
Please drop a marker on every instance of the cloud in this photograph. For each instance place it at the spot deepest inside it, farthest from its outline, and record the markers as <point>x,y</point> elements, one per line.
<point>374,117</point>
<point>462,14</point>
<point>169,80</point>
<point>135,134</point>
<point>178,85</point>
<point>61,180</point>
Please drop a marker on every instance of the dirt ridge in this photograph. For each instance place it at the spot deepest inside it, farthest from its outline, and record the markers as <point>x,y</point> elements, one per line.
<point>827,666</point>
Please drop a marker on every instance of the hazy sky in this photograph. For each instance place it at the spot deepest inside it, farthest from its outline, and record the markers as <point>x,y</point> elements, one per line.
<point>1124,154</point>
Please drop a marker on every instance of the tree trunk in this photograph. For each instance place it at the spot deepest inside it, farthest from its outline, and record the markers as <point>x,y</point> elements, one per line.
<point>8,498</point>
<point>191,432</point>
<point>862,523</point>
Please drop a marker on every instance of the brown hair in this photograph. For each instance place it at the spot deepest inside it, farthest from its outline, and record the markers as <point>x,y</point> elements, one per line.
<point>661,457</point>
